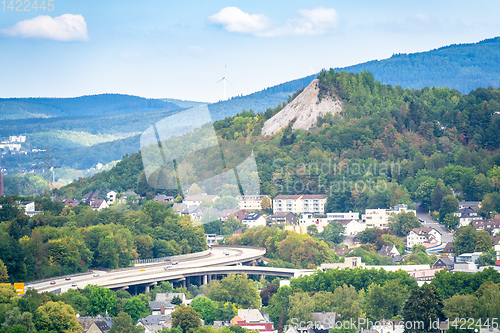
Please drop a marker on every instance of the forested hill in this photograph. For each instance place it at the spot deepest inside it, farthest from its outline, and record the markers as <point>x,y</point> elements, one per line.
<point>402,146</point>
<point>464,67</point>
<point>93,105</point>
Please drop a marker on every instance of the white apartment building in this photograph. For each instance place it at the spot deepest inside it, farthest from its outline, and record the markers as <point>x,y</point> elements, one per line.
<point>376,218</point>
<point>379,218</point>
<point>300,203</point>
<point>250,202</point>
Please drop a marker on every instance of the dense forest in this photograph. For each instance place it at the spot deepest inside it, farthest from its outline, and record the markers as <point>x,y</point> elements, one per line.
<point>389,146</point>
<point>65,241</point>
<point>464,67</point>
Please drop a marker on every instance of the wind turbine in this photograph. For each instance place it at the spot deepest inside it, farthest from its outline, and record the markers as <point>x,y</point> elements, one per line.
<point>224,80</point>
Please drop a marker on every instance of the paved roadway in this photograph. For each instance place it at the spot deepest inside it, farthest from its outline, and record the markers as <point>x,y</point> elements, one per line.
<point>156,271</point>
<point>447,235</point>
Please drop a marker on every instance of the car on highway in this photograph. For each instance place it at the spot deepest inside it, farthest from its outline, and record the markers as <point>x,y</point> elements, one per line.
<point>96,274</point>
<point>74,285</point>
<point>52,282</point>
<point>168,267</point>
<point>174,262</point>
<point>67,278</point>
<point>238,254</point>
<point>30,286</point>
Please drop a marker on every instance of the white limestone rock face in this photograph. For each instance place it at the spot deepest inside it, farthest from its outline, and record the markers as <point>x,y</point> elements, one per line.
<point>306,107</point>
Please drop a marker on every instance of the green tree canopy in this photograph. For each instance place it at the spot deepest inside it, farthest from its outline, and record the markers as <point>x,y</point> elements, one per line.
<point>186,318</point>
<point>237,289</point>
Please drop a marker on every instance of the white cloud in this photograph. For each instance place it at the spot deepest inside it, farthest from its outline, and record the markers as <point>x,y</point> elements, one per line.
<point>66,28</point>
<point>315,21</point>
<point>234,19</point>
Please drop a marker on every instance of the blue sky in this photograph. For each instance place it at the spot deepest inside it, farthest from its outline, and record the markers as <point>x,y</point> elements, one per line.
<point>181,49</point>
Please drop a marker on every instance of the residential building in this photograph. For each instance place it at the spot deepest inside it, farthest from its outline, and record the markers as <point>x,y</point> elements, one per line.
<point>314,203</point>
<point>68,202</point>
<point>29,208</point>
<point>111,196</point>
<point>389,251</point>
<point>205,214</point>
<point>449,250</point>
<point>238,213</point>
<point>129,193</point>
<point>424,236</point>
<point>161,308</point>
<point>468,257</point>
<point>196,200</point>
<point>469,204</point>
<point>444,263</point>
<point>307,219</point>
<point>250,202</point>
<point>252,319</point>
<point>380,218</point>
<point>466,216</point>
<point>297,204</point>
<point>491,225</point>
<point>90,196</point>
<point>288,203</point>
<point>155,323</point>
<point>254,220</point>
<point>282,217</point>
<point>352,226</point>
<point>342,216</point>
<point>213,239</point>
<point>376,218</point>
<point>168,297</point>
<point>99,204</point>
<point>165,199</point>
<point>96,324</point>
<point>402,208</point>
<point>349,262</point>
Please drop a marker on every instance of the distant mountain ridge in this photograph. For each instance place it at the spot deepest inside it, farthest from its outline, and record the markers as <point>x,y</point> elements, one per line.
<point>91,105</point>
<point>463,67</point>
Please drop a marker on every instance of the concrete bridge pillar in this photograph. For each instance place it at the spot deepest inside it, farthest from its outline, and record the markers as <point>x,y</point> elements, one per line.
<point>149,285</point>
<point>205,278</point>
<point>183,283</point>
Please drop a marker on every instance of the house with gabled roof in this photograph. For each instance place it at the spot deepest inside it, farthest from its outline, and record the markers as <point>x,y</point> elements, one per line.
<point>445,263</point>
<point>423,236</point>
<point>165,199</point>
<point>252,319</point>
<point>254,220</point>
<point>490,225</point>
<point>196,200</point>
<point>467,216</point>
<point>99,204</point>
<point>448,250</point>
